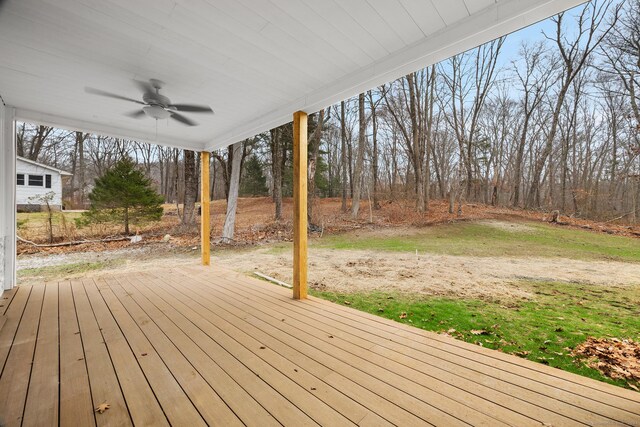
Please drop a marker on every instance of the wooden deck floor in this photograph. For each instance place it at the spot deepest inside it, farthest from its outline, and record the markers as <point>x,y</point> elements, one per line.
<point>196,346</point>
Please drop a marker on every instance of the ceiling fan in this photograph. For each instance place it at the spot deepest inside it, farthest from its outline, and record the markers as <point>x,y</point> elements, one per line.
<point>154,104</point>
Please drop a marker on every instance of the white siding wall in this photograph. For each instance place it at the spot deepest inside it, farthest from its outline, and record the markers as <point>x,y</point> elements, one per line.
<point>23,192</point>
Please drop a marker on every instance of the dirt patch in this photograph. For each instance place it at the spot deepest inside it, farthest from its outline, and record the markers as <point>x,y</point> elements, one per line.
<point>511,227</point>
<point>615,358</point>
<point>39,268</point>
<point>494,278</point>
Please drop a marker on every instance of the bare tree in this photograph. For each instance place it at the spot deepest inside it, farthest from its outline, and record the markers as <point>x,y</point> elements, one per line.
<point>469,81</point>
<point>190,187</point>
<point>574,54</point>
<point>343,139</point>
<point>357,176</point>
<point>234,185</point>
<point>314,150</point>
<point>534,82</point>
<point>276,169</point>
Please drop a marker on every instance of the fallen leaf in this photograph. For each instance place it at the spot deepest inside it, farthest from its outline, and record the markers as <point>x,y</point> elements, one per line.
<point>330,336</point>
<point>313,388</point>
<point>479,332</point>
<point>102,407</point>
<point>633,387</point>
<point>262,347</point>
<point>403,315</point>
<point>347,303</point>
<point>450,331</point>
<point>143,354</point>
<point>614,358</point>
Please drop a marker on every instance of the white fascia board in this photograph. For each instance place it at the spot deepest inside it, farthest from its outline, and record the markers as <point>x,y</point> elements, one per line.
<point>495,21</point>
<point>29,116</point>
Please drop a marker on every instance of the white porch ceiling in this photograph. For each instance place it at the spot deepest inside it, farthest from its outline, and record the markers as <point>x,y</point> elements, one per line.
<point>254,62</point>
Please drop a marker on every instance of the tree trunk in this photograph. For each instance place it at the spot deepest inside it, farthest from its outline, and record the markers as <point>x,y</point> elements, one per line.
<point>234,186</point>
<point>343,142</point>
<point>357,176</point>
<point>126,220</point>
<point>416,142</point>
<point>276,171</point>
<point>374,155</point>
<point>190,187</point>
<point>314,151</point>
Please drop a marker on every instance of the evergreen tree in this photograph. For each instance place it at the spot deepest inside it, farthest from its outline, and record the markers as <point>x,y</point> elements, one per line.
<point>123,195</point>
<point>253,183</point>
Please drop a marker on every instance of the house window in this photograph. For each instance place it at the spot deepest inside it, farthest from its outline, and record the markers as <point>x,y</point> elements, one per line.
<point>47,181</point>
<point>36,180</point>
<point>20,180</point>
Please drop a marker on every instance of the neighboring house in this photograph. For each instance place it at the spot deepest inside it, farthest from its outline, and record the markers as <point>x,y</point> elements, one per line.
<point>35,179</point>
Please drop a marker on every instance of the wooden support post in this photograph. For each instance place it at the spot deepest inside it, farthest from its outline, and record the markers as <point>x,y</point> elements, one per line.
<point>7,198</point>
<point>205,217</point>
<point>299,205</point>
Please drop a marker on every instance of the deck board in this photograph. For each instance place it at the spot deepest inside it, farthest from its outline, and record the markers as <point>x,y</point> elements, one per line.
<point>41,408</point>
<point>499,405</point>
<point>101,373</point>
<point>497,378</point>
<point>204,398</point>
<point>14,381</point>
<point>76,406</point>
<point>424,341</point>
<point>423,402</point>
<point>206,346</point>
<point>140,397</point>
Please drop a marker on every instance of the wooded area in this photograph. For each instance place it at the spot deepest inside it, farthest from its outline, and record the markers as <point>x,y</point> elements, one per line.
<point>555,128</point>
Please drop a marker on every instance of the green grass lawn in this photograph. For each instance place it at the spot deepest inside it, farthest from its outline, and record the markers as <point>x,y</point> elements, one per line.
<point>482,239</point>
<point>544,329</point>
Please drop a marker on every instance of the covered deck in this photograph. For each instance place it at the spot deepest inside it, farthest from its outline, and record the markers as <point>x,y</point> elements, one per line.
<point>196,346</point>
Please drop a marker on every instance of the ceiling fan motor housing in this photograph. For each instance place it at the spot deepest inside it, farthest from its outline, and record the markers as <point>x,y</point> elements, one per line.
<point>156,107</point>
<point>156,99</point>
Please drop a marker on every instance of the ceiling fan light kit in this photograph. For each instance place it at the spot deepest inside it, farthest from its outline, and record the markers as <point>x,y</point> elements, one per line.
<point>156,112</point>
<point>156,105</point>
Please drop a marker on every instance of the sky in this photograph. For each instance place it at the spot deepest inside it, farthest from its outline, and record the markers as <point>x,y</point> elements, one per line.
<point>533,33</point>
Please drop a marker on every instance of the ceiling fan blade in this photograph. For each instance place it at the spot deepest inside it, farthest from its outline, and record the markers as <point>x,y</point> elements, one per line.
<point>190,108</point>
<point>145,87</point>
<point>183,119</point>
<point>94,91</point>
<point>138,114</point>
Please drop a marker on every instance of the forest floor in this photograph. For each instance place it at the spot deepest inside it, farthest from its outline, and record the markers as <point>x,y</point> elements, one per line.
<point>558,287</point>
